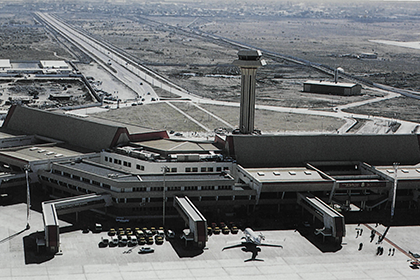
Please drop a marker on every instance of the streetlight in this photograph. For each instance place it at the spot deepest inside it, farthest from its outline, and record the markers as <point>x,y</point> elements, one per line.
<point>394,195</point>
<point>164,169</point>
<point>27,167</point>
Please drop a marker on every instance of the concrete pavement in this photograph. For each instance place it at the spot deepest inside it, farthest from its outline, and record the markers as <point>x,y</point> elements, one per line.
<point>299,259</point>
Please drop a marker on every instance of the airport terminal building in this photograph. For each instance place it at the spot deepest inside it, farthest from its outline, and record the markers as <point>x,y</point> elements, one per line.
<point>131,172</point>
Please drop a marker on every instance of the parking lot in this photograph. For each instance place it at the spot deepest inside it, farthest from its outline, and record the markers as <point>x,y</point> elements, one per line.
<point>82,258</point>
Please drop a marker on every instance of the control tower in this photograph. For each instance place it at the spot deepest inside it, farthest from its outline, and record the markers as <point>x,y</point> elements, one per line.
<point>249,61</point>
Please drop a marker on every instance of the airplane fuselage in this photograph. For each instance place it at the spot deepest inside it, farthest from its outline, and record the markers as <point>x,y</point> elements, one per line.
<point>252,237</point>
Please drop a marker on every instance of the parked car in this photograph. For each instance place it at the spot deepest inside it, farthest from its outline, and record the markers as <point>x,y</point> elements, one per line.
<point>98,227</point>
<point>132,241</point>
<point>146,250</point>
<point>153,230</point>
<point>139,233</point>
<point>234,230</point>
<point>158,240</point>
<point>123,241</point>
<point>170,233</point>
<point>225,230</point>
<point>142,241</point>
<point>103,243</point>
<point>112,232</point>
<point>114,241</point>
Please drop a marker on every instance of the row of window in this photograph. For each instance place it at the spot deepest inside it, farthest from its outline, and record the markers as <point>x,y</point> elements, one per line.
<point>137,189</point>
<point>171,169</point>
<point>171,199</point>
<point>63,184</point>
<point>124,163</point>
<point>206,169</point>
<point>149,199</point>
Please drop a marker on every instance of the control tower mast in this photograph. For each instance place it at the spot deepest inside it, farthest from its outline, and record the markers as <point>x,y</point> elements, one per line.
<point>249,61</point>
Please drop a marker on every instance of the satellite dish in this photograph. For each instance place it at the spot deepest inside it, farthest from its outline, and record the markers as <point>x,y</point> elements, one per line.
<point>341,70</point>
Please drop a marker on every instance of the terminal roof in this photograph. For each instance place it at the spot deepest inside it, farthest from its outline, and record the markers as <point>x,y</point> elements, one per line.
<point>295,174</point>
<point>405,172</point>
<point>36,153</point>
<point>173,146</point>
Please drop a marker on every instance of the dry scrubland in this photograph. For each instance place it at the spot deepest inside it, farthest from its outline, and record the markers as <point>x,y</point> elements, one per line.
<point>22,38</point>
<point>195,64</point>
<point>403,108</point>
<point>162,116</point>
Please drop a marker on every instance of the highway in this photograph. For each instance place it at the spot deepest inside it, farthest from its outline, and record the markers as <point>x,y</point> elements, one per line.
<point>135,76</point>
<point>140,80</point>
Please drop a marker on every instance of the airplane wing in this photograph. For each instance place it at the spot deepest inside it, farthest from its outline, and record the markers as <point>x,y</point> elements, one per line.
<point>270,245</point>
<point>233,246</point>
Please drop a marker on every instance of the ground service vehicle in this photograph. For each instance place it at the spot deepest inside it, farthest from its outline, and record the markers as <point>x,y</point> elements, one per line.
<point>146,250</point>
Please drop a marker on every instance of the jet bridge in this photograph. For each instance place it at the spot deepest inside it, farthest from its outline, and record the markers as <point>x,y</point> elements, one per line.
<point>196,221</point>
<point>51,209</point>
<point>333,221</point>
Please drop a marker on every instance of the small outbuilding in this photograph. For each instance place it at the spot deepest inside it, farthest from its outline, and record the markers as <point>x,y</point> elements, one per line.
<point>327,87</point>
<point>54,64</point>
<point>5,65</point>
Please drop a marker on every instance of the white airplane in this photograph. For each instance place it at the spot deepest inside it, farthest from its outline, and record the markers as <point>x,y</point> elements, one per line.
<point>251,242</point>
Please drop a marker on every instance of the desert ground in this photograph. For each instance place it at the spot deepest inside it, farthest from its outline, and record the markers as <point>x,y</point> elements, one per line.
<point>203,66</point>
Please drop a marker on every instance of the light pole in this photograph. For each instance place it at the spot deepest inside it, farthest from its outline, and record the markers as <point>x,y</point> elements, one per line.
<point>394,194</point>
<point>28,195</point>
<point>164,169</point>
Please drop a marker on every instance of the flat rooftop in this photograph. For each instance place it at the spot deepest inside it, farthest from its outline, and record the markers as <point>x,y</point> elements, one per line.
<point>55,64</point>
<point>174,146</point>
<point>278,175</point>
<point>81,257</point>
<point>404,172</point>
<point>331,84</point>
<point>5,135</point>
<point>5,63</point>
<point>35,153</point>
